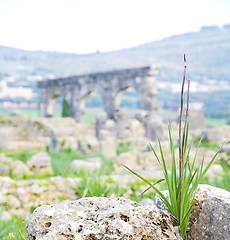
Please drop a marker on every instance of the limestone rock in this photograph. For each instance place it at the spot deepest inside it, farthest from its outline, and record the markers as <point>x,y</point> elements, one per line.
<point>99,218</point>
<point>136,160</point>
<point>41,164</point>
<point>108,147</point>
<point>210,215</point>
<point>39,160</point>
<point>89,164</point>
<point>20,169</point>
<point>13,201</point>
<point>214,134</point>
<point>135,129</point>
<point>214,172</point>
<point>88,144</point>
<point>197,115</point>
<point>24,195</point>
<point>226,148</point>
<point>4,169</point>
<point>214,220</point>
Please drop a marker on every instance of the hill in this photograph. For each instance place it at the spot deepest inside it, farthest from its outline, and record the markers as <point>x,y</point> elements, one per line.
<point>208,56</point>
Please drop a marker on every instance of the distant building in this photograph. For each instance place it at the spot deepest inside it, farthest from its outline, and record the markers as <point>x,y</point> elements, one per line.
<point>19,92</point>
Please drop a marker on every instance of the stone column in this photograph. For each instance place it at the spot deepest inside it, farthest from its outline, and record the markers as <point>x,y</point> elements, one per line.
<point>197,115</point>
<point>100,124</point>
<point>108,102</point>
<point>74,105</point>
<point>119,118</point>
<point>43,103</point>
<point>154,127</point>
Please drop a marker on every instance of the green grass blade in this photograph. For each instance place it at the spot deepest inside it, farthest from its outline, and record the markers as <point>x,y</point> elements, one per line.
<point>173,183</point>
<point>198,146</point>
<point>163,162</point>
<point>152,186</point>
<point>186,137</point>
<point>158,181</point>
<point>155,154</point>
<point>209,164</point>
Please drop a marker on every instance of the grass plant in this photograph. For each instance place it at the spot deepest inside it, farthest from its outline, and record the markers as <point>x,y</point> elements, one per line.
<point>181,184</point>
<point>61,161</point>
<point>94,184</point>
<point>123,147</point>
<point>22,155</point>
<point>13,228</point>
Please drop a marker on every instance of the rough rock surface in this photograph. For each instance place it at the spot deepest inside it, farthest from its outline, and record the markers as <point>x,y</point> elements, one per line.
<point>214,220</point>
<point>210,215</point>
<point>41,164</point>
<point>20,169</point>
<point>136,159</point>
<point>99,218</point>
<point>89,164</point>
<point>24,195</point>
<point>40,160</point>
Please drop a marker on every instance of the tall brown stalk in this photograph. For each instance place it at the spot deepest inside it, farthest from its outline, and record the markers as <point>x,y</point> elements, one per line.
<point>181,146</point>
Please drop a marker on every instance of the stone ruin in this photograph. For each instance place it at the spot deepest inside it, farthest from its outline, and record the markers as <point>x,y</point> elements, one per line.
<point>110,86</point>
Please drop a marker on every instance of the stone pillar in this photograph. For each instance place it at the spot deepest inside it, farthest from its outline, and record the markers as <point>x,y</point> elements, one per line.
<point>119,118</point>
<point>154,127</point>
<point>54,143</point>
<point>100,124</point>
<point>43,103</point>
<point>74,105</point>
<point>148,94</point>
<point>197,119</point>
<point>108,102</point>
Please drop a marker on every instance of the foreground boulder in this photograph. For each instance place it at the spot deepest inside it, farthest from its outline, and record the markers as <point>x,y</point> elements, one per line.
<point>99,218</point>
<point>214,219</point>
<point>210,215</point>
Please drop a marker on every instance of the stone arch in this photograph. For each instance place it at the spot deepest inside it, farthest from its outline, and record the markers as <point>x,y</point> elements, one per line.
<point>83,99</point>
<point>120,95</point>
<point>109,85</point>
<point>83,103</point>
<point>51,104</point>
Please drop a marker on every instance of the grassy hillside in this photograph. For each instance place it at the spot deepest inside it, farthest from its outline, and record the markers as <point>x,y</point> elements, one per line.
<point>208,55</point>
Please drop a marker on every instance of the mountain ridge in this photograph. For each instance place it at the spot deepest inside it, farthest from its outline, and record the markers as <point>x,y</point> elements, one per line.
<point>208,57</point>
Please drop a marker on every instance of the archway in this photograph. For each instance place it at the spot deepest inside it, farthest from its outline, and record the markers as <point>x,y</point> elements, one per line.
<point>58,107</point>
<point>91,104</point>
<point>128,101</point>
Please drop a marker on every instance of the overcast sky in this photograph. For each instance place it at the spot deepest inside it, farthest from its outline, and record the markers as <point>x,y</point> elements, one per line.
<point>84,26</point>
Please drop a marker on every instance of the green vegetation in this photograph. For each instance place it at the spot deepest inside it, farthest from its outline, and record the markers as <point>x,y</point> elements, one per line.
<point>88,118</point>
<point>206,144</point>
<point>60,162</point>
<point>22,155</point>
<point>15,226</point>
<point>181,185</point>
<point>96,183</point>
<point>123,147</point>
<point>65,108</point>
<point>220,181</point>
<point>216,122</point>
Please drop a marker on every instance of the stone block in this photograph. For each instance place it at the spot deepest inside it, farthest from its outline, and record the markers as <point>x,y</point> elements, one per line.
<point>99,218</point>
<point>210,215</point>
<point>214,220</point>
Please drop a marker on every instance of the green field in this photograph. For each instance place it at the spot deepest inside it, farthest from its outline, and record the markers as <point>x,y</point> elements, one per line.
<point>215,122</point>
